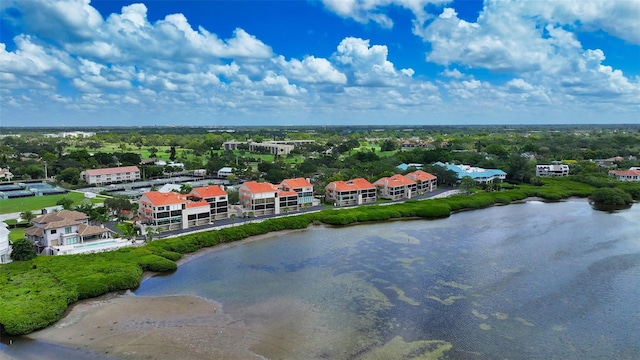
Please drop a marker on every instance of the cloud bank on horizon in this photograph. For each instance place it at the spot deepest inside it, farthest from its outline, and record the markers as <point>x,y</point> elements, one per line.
<point>333,62</point>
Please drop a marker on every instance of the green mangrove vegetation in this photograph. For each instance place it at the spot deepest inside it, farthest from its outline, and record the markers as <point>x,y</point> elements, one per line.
<point>35,293</point>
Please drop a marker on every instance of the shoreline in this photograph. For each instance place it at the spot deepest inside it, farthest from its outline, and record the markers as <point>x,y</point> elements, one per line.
<point>163,327</point>
<point>166,328</point>
<point>164,324</point>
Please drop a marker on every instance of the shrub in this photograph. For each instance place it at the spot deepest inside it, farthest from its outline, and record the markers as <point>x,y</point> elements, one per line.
<point>156,263</point>
<point>611,196</point>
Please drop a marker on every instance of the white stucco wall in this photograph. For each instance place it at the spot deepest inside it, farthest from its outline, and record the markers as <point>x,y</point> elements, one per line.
<point>5,249</point>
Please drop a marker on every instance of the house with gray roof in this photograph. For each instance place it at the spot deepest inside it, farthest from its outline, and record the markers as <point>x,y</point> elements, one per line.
<point>59,229</point>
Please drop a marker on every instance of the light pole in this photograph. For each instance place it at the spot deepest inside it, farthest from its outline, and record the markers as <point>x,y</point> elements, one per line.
<point>45,170</point>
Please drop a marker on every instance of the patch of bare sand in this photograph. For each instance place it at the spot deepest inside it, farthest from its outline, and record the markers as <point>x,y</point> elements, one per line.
<point>290,328</point>
<point>175,327</point>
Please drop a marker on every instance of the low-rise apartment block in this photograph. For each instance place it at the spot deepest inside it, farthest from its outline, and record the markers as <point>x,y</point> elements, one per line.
<point>425,182</point>
<point>259,198</point>
<point>302,187</point>
<point>171,211</point>
<point>555,170</point>
<point>110,175</point>
<point>216,197</point>
<point>396,187</point>
<point>352,192</point>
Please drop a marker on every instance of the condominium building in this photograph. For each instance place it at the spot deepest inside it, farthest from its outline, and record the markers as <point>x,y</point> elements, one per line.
<point>425,182</point>
<point>552,170</point>
<point>396,187</point>
<point>216,197</point>
<point>259,198</point>
<point>302,187</point>
<point>110,175</point>
<point>171,211</point>
<point>352,192</point>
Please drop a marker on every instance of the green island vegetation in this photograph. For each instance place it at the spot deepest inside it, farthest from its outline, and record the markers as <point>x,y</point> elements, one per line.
<point>35,293</point>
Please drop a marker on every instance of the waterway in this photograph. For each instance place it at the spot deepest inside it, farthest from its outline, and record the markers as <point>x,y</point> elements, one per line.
<point>525,281</point>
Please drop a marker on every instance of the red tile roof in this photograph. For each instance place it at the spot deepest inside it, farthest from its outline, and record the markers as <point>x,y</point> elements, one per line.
<point>625,172</point>
<point>197,204</point>
<point>116,170</point>
<point>287,193</point>
<point>296,183</point>
<point>420,175</point>
<point>394,181</point>
<point>208,191</point>
<point>160,199</point>
<point>256,187</point>
<point>350,185</point>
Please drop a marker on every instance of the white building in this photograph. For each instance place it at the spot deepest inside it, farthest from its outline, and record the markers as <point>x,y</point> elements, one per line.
<point>225,171</point>
<point>5,174</point>
<point>71,134</point>
<point>552,170</point>
<point>5,247</point>
<point>111,175</point>
<point>67,230</point>
<point>633,174</point>
<point>480,175</point>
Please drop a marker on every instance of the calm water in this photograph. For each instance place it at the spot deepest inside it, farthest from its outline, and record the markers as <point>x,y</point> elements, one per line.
<point>525,281</point>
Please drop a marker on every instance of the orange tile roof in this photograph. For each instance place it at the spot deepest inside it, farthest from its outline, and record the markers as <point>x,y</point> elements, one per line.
<point>116,170</point>
<point>160,199</point>
<point>296,183</point>
<point>197,204</point>
<point>353,184</point>
<point>420,175</point>
<point>208,191</point>
<point>256,187</point>
<point>394,181</point>
<point>287,193</point>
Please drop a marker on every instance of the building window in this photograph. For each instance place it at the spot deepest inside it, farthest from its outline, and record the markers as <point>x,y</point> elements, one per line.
<point>54,231</point>
<point>71,240</point>
<point>67,230</point>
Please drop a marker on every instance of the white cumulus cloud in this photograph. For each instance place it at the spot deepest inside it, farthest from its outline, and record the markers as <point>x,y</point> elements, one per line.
<point>368,65</point>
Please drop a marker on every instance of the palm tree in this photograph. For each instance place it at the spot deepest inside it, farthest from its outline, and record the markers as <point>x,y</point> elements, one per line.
<point>233,217</point>
<point>129,232</point>
<point>27,216</point>
<point>151,232</point>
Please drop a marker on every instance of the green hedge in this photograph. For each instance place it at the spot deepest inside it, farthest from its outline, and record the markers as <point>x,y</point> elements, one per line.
<point>35,293</point>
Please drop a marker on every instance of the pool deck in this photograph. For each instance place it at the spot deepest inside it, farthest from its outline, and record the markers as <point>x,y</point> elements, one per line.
<point>92,247</point>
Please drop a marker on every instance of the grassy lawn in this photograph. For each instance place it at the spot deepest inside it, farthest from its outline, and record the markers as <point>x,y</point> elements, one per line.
<point>16,234</point>
<point>36,203</point>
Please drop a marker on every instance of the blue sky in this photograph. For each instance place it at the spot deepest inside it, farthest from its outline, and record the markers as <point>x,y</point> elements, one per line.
<point>323,62</point>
